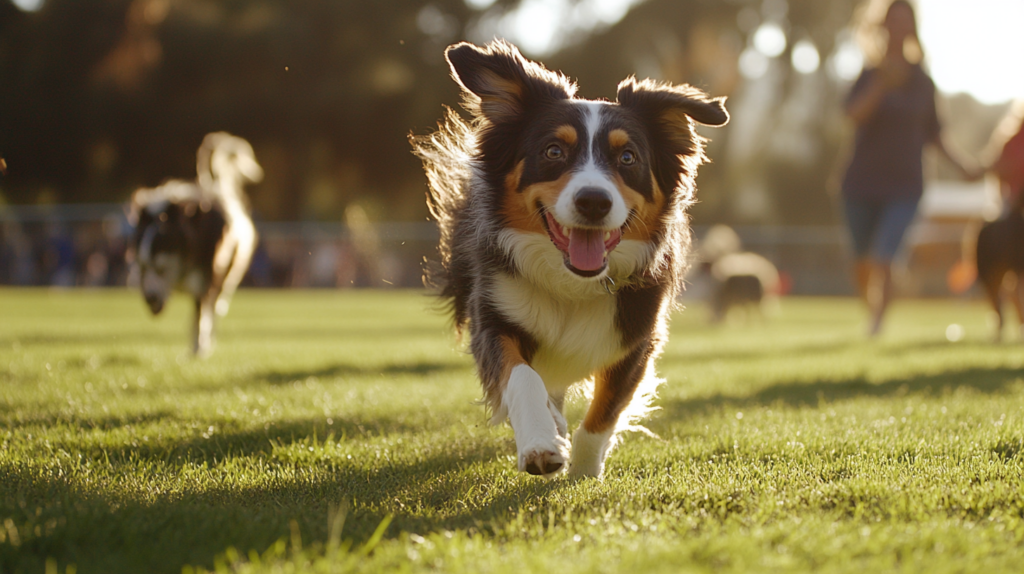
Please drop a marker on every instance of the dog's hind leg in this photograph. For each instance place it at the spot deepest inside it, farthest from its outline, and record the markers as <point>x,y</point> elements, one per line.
<point>515,390</point>
<point>1017,296</point>
<point>994,288</point>
<point>239,264</point>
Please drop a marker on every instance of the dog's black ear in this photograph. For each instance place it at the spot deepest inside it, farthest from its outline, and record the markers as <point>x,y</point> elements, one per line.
<point>672,104</point>
<point>499,83</point>
<point>670,111</point>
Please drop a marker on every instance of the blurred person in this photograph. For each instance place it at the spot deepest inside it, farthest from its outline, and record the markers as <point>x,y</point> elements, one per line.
<point>59,256</point>
<point>17,266</point>
<point>893,107</point>
<point>1009,166</point>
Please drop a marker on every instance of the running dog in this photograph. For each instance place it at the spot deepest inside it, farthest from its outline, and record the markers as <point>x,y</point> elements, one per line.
<point>564,239</point>
<point>1000,251</point>
<point>198,237</point>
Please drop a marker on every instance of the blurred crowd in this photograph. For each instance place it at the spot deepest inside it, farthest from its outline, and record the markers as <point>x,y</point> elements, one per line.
<point>94,254</point>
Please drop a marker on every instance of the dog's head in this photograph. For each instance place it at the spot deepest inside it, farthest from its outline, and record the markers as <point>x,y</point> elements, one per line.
<point>588,174</point>
<point>224,156</point>
<point>159,247</point>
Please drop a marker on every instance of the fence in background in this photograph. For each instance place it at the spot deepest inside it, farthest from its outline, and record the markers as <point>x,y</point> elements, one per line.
<point>85,245</point>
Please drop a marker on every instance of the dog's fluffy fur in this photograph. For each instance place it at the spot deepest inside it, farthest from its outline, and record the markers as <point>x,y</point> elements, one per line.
<point>999,253</point>
<point>198,236</point>
<point>564,239</point>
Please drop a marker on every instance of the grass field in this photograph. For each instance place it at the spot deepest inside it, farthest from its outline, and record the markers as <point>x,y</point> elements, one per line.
<point>337,432</point>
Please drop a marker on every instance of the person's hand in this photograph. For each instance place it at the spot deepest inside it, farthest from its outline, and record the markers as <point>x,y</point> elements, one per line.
<point>893,72</point>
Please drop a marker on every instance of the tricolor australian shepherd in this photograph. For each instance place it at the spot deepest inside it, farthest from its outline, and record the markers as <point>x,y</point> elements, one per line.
<point>198,236</point>
<point>563,241</point>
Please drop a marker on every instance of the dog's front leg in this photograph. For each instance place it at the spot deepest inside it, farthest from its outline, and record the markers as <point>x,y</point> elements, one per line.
<point>203,327</point>
<point>613,391</point>
<point>539,427</point>
<point>514,389</point>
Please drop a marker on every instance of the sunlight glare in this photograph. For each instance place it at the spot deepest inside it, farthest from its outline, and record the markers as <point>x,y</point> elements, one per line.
<point>753,64</point>
<point>770,39</point>
<point>540,27</point>
<point>974,47</point>
<point>805,57</point>
<point>28,5</point>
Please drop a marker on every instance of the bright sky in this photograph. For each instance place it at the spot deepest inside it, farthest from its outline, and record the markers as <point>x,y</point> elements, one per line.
<point>975,46</point>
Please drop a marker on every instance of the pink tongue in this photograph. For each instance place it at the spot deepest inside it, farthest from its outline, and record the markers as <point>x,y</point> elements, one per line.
<point>586,249</point>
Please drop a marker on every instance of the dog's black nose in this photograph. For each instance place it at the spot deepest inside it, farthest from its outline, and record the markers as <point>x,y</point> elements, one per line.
<point>593,203</point>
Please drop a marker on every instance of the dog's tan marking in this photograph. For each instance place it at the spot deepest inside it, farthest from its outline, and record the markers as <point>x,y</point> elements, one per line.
<point>567,134</point>
<point>519,208</point>
<point>511,357</point>
<point>501,98</point>
<point>516,211</point>
<point>618,138</point>
<point>602,413</point>
<point>647,218</point>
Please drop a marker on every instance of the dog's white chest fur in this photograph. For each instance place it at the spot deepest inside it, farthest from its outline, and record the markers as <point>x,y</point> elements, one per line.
<point>575,336</point>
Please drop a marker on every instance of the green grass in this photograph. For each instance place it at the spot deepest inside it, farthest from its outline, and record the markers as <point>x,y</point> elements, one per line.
<point>326,417</point>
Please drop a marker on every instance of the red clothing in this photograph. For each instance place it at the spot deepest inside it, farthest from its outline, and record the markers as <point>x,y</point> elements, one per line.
<point>1010,165</point>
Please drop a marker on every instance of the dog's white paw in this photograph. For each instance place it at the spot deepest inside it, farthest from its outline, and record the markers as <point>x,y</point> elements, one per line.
<point>589,451</point>
<point>541,431</point>
<point>222,307</point>
<point>545,460</point>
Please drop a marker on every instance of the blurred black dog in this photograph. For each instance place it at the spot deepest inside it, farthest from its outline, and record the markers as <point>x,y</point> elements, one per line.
<point>1000,251</point>
<point>197,237</point>
<point>175,243</point>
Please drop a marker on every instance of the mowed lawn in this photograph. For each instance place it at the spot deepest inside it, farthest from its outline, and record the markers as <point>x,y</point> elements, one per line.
<point>337,431</point>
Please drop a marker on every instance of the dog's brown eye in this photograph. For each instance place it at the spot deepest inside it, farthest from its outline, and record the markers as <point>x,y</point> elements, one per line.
<point>554,151</point>
<point>627,158</point>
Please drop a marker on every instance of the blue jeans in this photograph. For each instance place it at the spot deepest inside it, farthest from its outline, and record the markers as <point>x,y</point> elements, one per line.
<point>877,226</point>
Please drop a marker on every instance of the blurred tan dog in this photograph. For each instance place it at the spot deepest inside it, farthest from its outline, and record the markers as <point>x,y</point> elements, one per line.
<point>740,279</point>
<point>197,237</point>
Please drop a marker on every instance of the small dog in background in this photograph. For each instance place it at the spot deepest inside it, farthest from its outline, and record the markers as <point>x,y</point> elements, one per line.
<point>197,237</point>
<point>999,253</point>
<point>739,279</point>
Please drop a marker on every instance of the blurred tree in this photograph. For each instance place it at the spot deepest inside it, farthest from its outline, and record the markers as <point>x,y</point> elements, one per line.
<point>99,97</point>
<point>772,164</point>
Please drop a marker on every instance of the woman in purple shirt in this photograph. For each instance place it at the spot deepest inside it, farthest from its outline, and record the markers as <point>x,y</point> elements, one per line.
<point>893,107</point>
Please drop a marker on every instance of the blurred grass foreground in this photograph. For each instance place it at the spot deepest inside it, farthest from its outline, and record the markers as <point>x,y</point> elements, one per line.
<point>337,432</point>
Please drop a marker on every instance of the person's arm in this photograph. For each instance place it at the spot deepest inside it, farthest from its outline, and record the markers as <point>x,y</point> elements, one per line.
<point>968,169</point>
<point>864,104</point>
<point>873,88</point>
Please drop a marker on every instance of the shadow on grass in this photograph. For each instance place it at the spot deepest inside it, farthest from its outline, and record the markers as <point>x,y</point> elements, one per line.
<point>208,442</point>
<point>85,423</point>
<point>343,369</point>
<point>727,354</point>
<point>814,393</point>
<point>93,339</point>
<point>384,332</point>
<point>889,350</point>
<point>101,530</point>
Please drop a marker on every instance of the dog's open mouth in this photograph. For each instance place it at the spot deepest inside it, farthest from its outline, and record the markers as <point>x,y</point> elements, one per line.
<point>585,250</point>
